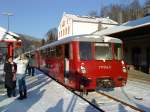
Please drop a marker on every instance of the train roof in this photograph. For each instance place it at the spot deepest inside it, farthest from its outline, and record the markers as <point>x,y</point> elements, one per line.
<point>83,38</point>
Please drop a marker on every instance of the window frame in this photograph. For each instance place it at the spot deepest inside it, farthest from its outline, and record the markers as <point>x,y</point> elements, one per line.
<point>110,48</point>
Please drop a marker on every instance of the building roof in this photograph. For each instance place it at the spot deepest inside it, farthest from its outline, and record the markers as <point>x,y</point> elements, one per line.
<point>90,19</point>
<point>7,36</point>
<point>126,26</point>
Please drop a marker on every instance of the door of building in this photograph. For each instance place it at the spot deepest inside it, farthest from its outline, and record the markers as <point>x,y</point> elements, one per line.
<point>136,57</point>
<point>148,60</point>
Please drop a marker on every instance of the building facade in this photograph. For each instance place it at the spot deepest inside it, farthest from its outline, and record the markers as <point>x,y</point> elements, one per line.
<point>77,25</point>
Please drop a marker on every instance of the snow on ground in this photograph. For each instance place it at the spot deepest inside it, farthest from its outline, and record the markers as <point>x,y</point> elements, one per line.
<point>135,93</point>
<point>45,95</point>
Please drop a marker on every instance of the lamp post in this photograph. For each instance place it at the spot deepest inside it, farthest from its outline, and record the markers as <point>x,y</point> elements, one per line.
<point>10,44</point>
<point>8,14</point>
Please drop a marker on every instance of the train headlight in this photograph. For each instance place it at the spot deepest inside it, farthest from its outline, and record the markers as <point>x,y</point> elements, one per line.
<point>83,69</point>
<point>124,69</point>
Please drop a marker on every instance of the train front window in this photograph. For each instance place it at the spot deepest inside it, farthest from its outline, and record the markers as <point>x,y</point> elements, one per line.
<point>85,51</point>
<point>103,51</point>
<point>118,52</point>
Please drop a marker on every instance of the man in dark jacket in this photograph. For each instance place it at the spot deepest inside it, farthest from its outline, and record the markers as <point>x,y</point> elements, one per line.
<point>10,69</point>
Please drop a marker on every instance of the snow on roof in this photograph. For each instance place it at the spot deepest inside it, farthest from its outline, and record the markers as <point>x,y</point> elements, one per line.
<point>7,35</point>
<point>90,19</point>
<point>83,38</point>
<point>138,21</point>
<point>126,26</point>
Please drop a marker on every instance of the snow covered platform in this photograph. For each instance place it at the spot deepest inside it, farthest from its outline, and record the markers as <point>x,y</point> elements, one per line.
<point>45,95</point>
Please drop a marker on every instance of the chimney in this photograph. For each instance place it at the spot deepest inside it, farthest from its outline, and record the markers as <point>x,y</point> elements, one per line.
<point>99,26</point>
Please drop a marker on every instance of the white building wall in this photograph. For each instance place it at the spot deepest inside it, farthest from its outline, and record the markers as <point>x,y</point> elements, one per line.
<point>65,28</point>
<point>74,25</point>
<point>84,28</point>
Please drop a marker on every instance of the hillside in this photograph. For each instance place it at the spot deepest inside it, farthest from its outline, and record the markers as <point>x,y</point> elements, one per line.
<point>28,42</point>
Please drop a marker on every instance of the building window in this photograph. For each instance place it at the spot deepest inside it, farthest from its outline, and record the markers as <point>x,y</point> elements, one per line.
<point>61,33</point>
<point>68,29</point>
<point>64,31</point>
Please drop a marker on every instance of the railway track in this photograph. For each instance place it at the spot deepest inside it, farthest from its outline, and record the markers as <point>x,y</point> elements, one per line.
<point>122,102</point>
<point>109,103</point>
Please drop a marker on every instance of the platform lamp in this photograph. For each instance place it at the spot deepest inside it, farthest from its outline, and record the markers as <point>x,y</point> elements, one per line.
<point>8,14</point>
<point>10,45</point>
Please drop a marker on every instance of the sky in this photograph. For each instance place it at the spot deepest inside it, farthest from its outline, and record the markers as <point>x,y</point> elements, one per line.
<point>36,17</point>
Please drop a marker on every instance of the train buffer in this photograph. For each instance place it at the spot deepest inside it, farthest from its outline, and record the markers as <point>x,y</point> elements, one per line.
<point>45,95</point>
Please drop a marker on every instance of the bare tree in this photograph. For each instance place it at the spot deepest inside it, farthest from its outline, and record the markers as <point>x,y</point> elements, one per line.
<point>52,35</point>
<point>93,13</point>
<point>43,42</point>
<point>147,8</point>
<point>123,13</point>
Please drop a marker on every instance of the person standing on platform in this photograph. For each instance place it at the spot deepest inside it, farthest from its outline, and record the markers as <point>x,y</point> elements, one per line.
<point>10,69</point>
<point>22,63</point>
<point>31,66</point>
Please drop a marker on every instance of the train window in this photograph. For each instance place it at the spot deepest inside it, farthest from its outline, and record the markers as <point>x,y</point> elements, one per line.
<point>53,52</point>
<point>47,54</point>
<point>43,52</point>
<point>58,51</point>
<point>103,51</point>
<point>118,51</point>
<point>85,51</point>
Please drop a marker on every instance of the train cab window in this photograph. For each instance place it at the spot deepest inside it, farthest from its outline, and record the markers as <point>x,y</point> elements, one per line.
<point>85,51</point>
<point>118,52</point>
<point>103,51</point>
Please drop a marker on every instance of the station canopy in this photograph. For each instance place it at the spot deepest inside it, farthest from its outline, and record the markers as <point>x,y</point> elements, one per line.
<point>7,36</point>
<point>131,28</point>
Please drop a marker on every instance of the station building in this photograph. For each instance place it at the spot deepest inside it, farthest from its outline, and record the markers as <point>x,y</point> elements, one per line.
<point>136,37</point>
<point>9,41</point>
<point>76,25</point>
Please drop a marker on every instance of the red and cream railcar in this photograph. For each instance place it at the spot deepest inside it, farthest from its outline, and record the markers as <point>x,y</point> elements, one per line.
<point>86,61</point>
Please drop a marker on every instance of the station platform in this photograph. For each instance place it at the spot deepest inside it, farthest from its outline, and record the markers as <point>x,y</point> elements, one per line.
<point>139,76</point>
<point>45,95</point>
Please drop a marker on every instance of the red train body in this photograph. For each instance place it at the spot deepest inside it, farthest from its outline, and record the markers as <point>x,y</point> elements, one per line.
<point>84,62</point>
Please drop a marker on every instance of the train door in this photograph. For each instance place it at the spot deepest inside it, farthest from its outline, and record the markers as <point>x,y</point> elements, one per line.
<point>66,63</point>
